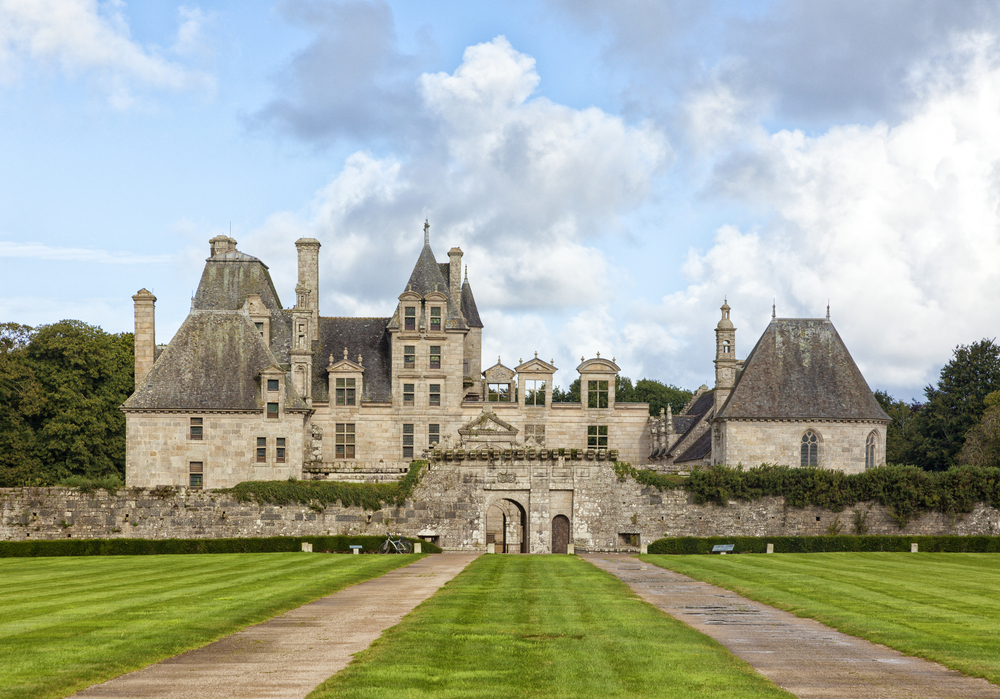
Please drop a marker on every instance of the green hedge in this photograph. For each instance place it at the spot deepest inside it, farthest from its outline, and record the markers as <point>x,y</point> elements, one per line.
<point>319,494</point>
<point>148,547</point>
<point>819,544</point>
<point>907,491</point>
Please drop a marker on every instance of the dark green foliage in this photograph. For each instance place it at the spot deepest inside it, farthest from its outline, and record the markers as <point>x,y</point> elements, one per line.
<point>821,544</point>
<point>953,408</point>
<point>111,483</point>
<point>153,547</point>
<point>902,431</point>
<point>60,389</point>
<point>982,443</point>
<point>660,481</point>
<point>570,396</point>
<point>659,395</point>
<point>370,496</point>
<point>907,491</point>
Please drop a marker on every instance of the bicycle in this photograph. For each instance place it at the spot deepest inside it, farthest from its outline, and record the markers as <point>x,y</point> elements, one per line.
<point>397,545</point>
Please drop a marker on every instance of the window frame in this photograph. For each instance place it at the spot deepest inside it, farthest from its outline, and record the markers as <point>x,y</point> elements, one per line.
<point>596,391</point>
<point>261,450</point>
<point>532,392</point>
<point>346,391</point>
<point>502,393</point>
<point>597,436</point>
<point>434,394</point>
<point>408,393</point>
<point>279,450</point>
<point>871,450</point>
<point>196,429</point>
<point>409,317</point>
<point>272,414</point>
<point>407,440</point>
<point>435,357</point>
<point>433,434</point>
<point>272,385</point>
<point>345,440</point>
<point>196,472</point>
<point>409,356</point>
<point>435,321</point>
<point>809,449</point>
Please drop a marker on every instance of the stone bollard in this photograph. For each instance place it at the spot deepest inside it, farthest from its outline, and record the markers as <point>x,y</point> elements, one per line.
<point>913,548</point>
<point>770,548</point>
<point>308,548</point>
<point>644,549</point>
<point>570,549</point>
<point>417,547</point>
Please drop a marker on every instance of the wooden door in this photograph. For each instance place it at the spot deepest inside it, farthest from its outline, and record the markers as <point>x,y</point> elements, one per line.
<point>560,534</point>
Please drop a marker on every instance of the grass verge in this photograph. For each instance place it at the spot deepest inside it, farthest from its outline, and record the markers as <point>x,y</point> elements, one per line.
<point>67,623</point>
<point>542,626</point>
<point>939,606</point>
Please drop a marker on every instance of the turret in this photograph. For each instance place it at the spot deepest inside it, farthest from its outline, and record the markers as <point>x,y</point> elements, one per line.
<point>725,358</point>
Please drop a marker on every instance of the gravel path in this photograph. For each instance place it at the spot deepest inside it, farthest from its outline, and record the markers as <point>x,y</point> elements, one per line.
<point>291,654</point>
<point>800,655</point>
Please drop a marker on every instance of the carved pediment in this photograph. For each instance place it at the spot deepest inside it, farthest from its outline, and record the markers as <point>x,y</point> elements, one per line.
<point>498,373</point>
<point>598,366</point>
<point>535,366</point>
<point>488,425</point>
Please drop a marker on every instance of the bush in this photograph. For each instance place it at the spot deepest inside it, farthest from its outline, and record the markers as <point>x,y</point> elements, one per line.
<point>111,483</point>
<point>369,496</point>
<point>906,491</point>
<point>820,544</point>
<point>152,547</point>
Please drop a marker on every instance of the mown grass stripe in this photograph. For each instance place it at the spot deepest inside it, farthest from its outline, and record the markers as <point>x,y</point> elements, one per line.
<point>940,606</point>
<point>133,611</point>
<point>542,626</point>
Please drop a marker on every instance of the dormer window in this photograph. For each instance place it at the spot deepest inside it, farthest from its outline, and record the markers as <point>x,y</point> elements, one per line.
<point>272,385</point>
<point>597,394</point>
<point>535,394</point>
<point>260,328</point>
<point>410,318</point>
<point>345,391</point>
<point>435,319</point>
<point>272,411</point>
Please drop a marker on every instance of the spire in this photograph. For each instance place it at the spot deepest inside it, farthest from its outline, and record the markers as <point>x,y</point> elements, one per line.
<point>427,232</point>
<point>773,313</point>
<point>828,309</point>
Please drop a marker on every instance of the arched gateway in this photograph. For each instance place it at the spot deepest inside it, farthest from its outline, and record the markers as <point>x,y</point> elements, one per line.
<point>507,526</point>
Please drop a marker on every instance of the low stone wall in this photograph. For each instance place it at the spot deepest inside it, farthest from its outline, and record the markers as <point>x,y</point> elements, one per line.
<point>450,506</point>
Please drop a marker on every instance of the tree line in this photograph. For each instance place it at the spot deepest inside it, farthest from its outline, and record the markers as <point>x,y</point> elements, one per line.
<point>60,388</point>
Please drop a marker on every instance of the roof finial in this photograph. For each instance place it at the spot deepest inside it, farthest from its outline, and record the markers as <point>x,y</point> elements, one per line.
<point>773,313</point>
<point>536,354</point>
<point>427,232</point>
<point>345,353</point>
<point>466,272</point>
<point>598,354</point>
<point>828,309</point>
<point>360,361</point>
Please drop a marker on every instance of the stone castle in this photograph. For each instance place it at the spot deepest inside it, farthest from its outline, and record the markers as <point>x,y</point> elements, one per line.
<point>249,390</point>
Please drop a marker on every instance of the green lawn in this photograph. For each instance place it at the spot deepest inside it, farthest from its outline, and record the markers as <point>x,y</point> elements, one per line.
<point>66,623</point>
<point>941,606</point>
<point>542,626</point>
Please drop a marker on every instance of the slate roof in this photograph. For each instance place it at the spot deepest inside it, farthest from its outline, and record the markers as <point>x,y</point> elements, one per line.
<point>469,309</point>
<point>694,419</point>
<point>698,450</point>
<point>365,336</point>
<point>227,281</point>
<point>426,275</point>
<point>213,363</point>
<point>800,368</point>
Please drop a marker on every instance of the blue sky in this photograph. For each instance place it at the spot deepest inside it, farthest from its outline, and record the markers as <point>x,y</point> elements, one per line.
<point>612,170</point>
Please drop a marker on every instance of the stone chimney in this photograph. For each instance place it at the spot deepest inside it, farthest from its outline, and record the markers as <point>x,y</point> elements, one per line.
<point>455,276</point>
<point>222,244</point>
<point>145,333</point>
<point>308,249</point>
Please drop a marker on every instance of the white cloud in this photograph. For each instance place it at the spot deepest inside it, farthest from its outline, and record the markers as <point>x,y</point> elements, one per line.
<point>84,36</point>
<point>39,251</point>
<point>899,226</point>
<point>519,182</point>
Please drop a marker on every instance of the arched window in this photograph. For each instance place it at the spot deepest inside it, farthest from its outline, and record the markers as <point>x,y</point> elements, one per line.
<point>810,449</point>
<point>725,346</point>
<point>870,449</point>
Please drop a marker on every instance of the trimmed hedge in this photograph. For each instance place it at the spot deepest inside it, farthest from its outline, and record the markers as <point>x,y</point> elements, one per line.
<point>319,494</point>
<point>152,547</point>
<point>821,544</point>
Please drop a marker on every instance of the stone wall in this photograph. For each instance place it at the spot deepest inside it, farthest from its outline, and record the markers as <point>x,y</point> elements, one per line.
<point>841,443</point>
<point>449,507</point>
